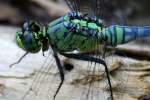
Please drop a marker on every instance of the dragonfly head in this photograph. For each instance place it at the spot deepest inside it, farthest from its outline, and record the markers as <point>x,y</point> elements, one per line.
<point>28,39</point>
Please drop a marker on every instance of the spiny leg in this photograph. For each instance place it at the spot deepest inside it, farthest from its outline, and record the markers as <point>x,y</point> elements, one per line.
<point>89,58</point>
<point>61,72</point>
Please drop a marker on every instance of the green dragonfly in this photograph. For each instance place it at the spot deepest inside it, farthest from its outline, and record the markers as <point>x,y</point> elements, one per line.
<point>81,30</point>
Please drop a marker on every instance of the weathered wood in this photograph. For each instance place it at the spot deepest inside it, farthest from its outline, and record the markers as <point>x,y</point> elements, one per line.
<point>129,77</point>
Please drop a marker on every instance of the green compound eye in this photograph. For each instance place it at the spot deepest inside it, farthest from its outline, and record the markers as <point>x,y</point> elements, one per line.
<point>35,27</point>
<point>27,39</point>
<point>18,40</point>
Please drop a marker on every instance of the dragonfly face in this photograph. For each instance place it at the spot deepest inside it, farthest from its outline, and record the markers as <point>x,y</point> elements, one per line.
<point>28,38</point>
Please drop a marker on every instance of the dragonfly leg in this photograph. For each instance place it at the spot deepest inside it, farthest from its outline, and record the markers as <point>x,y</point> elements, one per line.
<point>89,58</point>
<point>61,72</point>
<point>18,60</point>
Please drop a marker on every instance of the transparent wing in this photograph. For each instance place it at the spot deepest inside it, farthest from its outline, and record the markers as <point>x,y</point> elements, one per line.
<point>39,84</point>
<point>80,6</point>
<point>103,9</point>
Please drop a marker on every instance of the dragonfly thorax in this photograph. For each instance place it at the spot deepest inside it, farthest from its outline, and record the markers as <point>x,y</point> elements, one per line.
<point>75,32</point>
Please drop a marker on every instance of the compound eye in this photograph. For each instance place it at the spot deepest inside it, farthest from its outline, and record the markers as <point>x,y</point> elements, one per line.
<point>31,26</point>
<point>25,27</point>
<point>19,34</point>
<point>35,28</point>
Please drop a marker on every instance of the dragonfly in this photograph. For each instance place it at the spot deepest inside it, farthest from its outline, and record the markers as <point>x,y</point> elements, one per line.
<point>83,30</point>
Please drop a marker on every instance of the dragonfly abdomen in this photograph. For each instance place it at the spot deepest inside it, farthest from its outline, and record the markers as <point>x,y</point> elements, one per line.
<point>116,34</point>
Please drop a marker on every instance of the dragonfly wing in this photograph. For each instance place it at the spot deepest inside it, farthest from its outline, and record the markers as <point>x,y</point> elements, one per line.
<point>80,6</point>
<point>102,9</point>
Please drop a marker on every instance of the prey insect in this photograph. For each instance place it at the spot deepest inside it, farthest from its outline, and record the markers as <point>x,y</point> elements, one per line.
<point>76,31</point>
